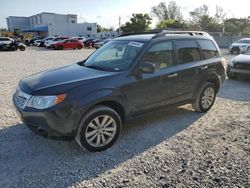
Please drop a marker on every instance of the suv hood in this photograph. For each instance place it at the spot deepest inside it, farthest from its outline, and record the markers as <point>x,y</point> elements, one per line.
<point>239,44</point>
<point>59,80</point>
<point>242,58</point>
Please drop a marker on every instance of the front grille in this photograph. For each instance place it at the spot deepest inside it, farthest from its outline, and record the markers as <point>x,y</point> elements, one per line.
<point>21,98</point>
<point>235,48</point>
<point>244,66</point>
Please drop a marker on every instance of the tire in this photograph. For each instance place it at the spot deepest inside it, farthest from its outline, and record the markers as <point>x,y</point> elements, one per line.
<point>231,75</point>
<point>60,48</point>
<point>79,47</point>
<point>206,98</point>
<point>91,137</point>
<point>21,48</point>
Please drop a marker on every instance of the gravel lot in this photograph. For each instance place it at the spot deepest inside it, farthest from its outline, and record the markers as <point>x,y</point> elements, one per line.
<point>173,148</point>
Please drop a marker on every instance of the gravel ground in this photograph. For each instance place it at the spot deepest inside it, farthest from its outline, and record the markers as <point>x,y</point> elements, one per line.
<point>173,148</point>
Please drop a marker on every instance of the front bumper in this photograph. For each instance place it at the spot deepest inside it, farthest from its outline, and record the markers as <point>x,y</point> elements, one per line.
<point>238,72</point>
<point>56,122</point>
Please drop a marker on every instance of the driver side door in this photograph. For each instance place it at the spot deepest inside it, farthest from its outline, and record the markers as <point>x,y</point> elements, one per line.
<point>151,90</point>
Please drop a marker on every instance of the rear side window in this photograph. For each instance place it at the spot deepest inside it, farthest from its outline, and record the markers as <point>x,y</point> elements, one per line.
<point>160,54</point>
<point>188,51</point>
<point>208,49</point>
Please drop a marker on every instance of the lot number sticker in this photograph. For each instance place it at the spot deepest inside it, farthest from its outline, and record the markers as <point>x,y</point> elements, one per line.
<point>135,44</point>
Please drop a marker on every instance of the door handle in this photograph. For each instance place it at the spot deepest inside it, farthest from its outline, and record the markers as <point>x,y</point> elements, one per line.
<point>204,68</point>
<point>172,75</point>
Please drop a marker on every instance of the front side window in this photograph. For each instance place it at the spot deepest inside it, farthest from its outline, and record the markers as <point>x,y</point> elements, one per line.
<point>188,51</point>
<point>160,54</point>
<point>208,49</point>
<point>114,55</point>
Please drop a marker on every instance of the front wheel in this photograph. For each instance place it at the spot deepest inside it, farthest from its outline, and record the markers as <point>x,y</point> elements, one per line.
<point>206,98</point>
<point>99,129</point>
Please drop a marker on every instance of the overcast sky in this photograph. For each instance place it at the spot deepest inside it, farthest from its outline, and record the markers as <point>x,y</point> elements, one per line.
<point>107,12</point>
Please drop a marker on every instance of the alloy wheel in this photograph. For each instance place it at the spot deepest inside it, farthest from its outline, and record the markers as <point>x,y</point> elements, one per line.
<point>207,97</point>
<point>100,131</point>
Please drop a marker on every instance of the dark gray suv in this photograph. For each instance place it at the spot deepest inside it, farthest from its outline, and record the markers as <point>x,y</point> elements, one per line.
<point>130,75</point>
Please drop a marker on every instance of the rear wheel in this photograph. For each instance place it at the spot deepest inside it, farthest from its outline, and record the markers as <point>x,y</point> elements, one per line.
<point>60,47</point>
<point>206,98</point>
<point>99,129</point>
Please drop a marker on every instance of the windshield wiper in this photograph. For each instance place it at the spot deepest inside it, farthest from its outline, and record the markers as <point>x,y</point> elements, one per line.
<point>96,67</point>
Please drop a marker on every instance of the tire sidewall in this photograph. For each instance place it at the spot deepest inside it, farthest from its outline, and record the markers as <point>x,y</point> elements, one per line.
<point>88,118</point>
<point>201,94</point>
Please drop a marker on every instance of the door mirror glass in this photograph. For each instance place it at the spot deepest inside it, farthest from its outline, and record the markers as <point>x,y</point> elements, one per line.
<point>146,67</point>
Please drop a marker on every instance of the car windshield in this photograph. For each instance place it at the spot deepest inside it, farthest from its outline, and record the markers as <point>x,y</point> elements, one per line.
<point>247,51</point>
<point>114,56</point>
<point>243,41</point>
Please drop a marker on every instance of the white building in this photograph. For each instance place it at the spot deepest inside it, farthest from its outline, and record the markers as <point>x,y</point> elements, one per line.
<point>52,24</point>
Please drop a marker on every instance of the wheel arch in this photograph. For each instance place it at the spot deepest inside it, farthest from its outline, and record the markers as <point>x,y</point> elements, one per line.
<point>211,77</point>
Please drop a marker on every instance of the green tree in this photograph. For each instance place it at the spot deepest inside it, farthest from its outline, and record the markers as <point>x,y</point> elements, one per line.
<point>237,26</point>
<point>167,12</point>
<point>138,23</point>
<point>103,29</point>
<point>201,19</point>
<point>169,23</point>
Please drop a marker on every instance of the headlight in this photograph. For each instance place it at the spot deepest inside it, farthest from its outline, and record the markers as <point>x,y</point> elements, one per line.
<point>43,102</point>
<point>231,63</point>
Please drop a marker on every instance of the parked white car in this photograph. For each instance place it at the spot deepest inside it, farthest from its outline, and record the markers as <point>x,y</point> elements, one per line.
<point>48,44</point>
<point>82,39</point>
<point>239,45</point>
<point>6,40</point>
<point>37,42</point>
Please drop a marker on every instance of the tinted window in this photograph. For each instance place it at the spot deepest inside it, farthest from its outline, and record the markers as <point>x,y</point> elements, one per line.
<point>208,49</point>
<point>160,54</point>
<point>188,51</point>
<point>4,39</point>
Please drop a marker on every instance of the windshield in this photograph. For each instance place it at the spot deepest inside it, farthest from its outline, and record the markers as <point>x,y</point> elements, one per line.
<point>247,51</point>
<point>243,41</point>
<point>114,55</point>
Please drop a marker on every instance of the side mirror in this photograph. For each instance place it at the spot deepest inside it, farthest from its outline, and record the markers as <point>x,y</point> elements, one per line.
<point>146,67</point>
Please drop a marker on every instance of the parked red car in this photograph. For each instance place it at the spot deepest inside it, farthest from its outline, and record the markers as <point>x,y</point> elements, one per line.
<point>68,43</point>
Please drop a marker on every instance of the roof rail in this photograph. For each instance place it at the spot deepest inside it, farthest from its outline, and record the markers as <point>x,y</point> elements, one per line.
<point>191,33</point>
<point>139,33</point>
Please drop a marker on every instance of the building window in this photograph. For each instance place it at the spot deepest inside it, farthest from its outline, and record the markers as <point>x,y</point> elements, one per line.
<point>93,35</point>
<point>88,35</point>
<point>73,21</point>
<point>89,28</point>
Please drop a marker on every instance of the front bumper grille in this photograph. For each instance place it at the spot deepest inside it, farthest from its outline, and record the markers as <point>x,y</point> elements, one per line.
<point>21,98</point>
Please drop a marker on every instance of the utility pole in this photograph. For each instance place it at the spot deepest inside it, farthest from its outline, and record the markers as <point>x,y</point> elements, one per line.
<point>119,30</point>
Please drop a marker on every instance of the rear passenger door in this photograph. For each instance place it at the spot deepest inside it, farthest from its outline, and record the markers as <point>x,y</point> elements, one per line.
<point>188,55</point>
